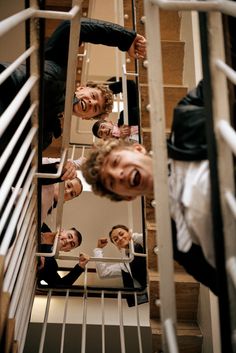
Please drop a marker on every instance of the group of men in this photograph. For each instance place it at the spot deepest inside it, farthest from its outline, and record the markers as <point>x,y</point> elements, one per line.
<point>120,170</point>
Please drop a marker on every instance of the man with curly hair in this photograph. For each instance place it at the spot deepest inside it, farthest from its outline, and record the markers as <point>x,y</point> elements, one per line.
<point>90,101</point>
<point>121,171</point>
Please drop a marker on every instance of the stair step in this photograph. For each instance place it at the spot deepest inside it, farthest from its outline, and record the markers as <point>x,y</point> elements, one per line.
<point>189,336</point>
<point>173,63</point>
<point>172,95</point>
<point>152,257</point>
<point>169,21</point>
<point>187,291</point>
<point>149,209</point>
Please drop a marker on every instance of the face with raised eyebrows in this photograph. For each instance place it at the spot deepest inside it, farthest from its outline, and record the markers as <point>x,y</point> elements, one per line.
<point>105,130</point>
<point>68,240</point>
<point>128,172</point>
<point>90,102</point>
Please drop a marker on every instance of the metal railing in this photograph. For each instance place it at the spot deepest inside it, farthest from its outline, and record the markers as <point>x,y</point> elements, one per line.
<point>218,72</point>
<point>18,198</point>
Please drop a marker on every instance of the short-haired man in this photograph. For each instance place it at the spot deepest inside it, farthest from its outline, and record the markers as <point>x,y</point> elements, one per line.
<point>48,269</point>
<point>104,129</point>
<point>90,101</point>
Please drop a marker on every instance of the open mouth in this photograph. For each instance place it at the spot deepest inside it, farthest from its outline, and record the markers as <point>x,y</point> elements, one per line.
<point>135,178</point>
<point>83,105</point>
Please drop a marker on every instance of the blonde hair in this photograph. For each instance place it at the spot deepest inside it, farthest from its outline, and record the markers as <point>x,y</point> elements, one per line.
<point>107,94</point>
<point>91,168</point>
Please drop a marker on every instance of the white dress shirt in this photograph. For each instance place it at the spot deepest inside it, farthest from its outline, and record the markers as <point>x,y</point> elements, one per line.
<point>108,269</point>
<point>189,192</point>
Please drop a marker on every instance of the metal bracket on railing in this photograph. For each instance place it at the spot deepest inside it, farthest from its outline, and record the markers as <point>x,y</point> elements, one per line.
<point>54,249</point>
<point>59,171</point>
<point>226,7</point>
<point>82,54</point>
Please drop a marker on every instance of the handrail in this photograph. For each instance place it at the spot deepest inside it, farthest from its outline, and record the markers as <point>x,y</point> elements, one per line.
<point>130,258</point>
<point>54,248</point>
<point>7,24</point>
<point>227,7</point>
<point>58,14</point>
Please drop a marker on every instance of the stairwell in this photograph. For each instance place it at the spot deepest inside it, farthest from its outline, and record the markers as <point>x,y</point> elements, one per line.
<point>187,289</point>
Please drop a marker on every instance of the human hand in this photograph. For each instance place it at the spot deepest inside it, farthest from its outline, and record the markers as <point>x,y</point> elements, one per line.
<point>124,131</point>
<point>83,260</point>
<point>69,171</point>
<point>42,263</point>
<point>138,47</point>
<point>102,242</point>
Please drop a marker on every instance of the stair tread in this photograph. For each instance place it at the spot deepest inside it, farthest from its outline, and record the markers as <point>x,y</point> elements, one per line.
<point>183,327</point>
<point>167,85</point>
<point>178,277</point>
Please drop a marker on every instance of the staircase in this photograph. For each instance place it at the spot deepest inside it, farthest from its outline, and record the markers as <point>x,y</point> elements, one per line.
<point>187,289</point>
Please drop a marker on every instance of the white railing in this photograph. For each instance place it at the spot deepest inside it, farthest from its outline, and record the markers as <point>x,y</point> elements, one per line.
<point>224,133</point>
<point>162,214</point>
<point>19,211</point>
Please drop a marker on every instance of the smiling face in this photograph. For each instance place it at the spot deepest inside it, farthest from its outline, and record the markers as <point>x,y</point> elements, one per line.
<point>68,240</point>
<point>105,130</point>
<point>73,188</point>
<point>128,172</point>
<point>121,238</point>
<point>90,102</point>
